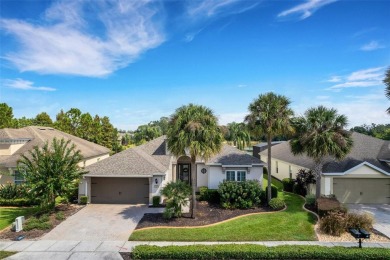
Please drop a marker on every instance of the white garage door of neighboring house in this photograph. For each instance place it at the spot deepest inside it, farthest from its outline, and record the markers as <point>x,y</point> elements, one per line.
<point>120,190</point>
<point>349,190</point>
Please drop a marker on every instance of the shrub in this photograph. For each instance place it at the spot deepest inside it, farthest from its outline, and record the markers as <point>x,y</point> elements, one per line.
<point>213,196</point>
<point>248,251</point>
<point>310,199</point>
<point>303,179</point>
<point>156,201</point>
<point>276,203</point>
<point>326,205</point>
<point>288,184</point>
<point>13,191</point>
<point>357,220</point>
<point>264,194</point>
<point>203,193</point>
<point>240,195</point>
<point>333,223</point>
<point>41,223</point>
<point>177,194</point>
<point>60,216</point>
<point>83,200</point>
<point>21,202</point>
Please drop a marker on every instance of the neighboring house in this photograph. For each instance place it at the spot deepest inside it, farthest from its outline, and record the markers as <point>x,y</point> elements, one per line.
<point>15,142</point>
<point>137,174</point>
<point>362,177</point>
<point>258,148</point>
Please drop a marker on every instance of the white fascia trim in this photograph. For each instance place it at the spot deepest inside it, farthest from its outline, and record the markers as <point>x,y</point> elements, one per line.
<point>119,176</point>
<point>354,168</point>
<point>384,160</point>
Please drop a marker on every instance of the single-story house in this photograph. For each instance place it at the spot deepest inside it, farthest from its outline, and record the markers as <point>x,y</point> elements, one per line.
<point>362,177</point>
<point>15,142</point>
<point>137,174</point>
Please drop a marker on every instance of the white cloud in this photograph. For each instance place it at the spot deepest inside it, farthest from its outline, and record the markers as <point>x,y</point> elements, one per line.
<point>371,46</point>
<point>64,44</point>
<point>242,86</point>
<point>361,78</point>
<point>226,118</point>
<point>24,85</point>
<point>334,79</point>
<point>306,9</point>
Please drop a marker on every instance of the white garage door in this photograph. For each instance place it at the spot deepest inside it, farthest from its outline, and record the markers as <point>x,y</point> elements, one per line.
<point>120,190</point>
<point>351,190</point>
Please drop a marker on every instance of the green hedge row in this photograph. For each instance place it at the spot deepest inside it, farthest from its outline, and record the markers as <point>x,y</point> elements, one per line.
<point>234,251</point>
<point>17,202</point>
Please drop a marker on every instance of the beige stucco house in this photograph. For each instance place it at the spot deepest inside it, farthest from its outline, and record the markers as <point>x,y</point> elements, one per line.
<point>15,142</point>
<point>137,174</point>
<point>362,177</point>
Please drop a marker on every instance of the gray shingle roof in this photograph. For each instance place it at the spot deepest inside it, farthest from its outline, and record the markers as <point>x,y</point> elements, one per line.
<point>38,136</point>
<point>230,155</point>
<point>151,158</point>
<point>365,149</point>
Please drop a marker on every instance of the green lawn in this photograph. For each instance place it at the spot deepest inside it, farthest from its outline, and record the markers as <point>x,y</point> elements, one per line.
<point>8,215</point>
<point>291,224</point>
<point>4,254</point>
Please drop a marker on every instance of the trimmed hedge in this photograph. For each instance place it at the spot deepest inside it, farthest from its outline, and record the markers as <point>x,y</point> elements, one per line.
<point>288,184</point>
<point>277,204</point>
<point>83,200</point>
<point>234,251</point>
<point>22,202</point>
<point>239,195</point>
<point>264,194</point>
<point>156,201</point>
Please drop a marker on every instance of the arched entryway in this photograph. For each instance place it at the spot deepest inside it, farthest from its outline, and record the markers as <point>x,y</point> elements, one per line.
<point>183,169</point>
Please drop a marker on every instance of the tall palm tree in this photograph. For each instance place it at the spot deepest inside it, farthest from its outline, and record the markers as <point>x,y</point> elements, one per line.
<point>320,134</point>
<point>271,113</point>
<point>386,80</point>
<point>239,135</point>
<point>193,130</point>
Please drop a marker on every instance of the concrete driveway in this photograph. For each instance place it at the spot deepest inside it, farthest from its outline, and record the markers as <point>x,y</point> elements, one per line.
<point>101,222</point>
<point>381,213</point>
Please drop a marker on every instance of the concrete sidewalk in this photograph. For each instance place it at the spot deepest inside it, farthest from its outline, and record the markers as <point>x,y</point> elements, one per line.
<point>68,249</point>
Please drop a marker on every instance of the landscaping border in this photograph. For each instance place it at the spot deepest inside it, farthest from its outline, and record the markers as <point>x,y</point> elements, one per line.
<point>214,224</point>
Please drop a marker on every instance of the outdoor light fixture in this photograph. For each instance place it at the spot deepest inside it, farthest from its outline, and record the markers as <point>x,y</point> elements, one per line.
<point>156,181</point>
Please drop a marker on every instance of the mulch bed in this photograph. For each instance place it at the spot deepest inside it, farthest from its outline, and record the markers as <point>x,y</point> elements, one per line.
<point>67,210</point>
<point>206,213</point>
<point>312,208</point>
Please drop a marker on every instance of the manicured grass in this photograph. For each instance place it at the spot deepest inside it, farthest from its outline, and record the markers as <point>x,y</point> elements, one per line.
<point>8,215</point>
<point>291,224</point>
<point>5,254</point>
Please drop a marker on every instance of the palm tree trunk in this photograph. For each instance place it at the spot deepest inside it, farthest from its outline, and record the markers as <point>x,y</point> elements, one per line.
<point>318,172</point>
<point>269,139</point>
<point>193,184</point>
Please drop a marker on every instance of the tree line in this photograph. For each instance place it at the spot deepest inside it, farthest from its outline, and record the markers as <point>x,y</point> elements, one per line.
<point>95,129</point>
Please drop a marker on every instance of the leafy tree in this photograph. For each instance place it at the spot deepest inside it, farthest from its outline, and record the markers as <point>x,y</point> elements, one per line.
<point>43,119</point>
<point>145,133</point>
<point>194,130</point>
<point>381,131</point>
<point>303,179</point>
<point>85,130</point>
<point>239,135</point>
<point>74,116</point>
<point>63,122</point>
<point>270,113</point>
<point>51,171</point>
<point>320,134</point>
<point>162,124</point>
<point>386,80</point>
<point>23,122</point>
<point>177,194</point>
<point>6,116</point>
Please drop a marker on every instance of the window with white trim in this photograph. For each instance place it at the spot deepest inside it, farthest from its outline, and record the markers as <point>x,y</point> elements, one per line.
<point>18,178</point>
<point>236,175</point>
<point>230,175</point>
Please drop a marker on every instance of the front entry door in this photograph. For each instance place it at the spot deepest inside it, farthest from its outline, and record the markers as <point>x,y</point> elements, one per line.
<point>184,172</point>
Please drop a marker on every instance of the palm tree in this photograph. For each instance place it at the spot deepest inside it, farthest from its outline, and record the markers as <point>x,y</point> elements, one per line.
<point>239,135</point>
<point>194,130</point>
<point>271,114</point>
<point>320,134</point>
<point>386,80</point>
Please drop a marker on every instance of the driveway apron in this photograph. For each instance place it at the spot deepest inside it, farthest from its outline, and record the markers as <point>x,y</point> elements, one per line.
<point>101,222</point>
<point>381,213</point>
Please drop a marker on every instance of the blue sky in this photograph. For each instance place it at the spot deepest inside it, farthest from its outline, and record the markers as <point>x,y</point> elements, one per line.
<point>136,61</point>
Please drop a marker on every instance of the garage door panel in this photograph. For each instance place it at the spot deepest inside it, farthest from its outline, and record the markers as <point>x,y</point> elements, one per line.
<point>120,190</point>
<point>354,190</point>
